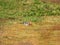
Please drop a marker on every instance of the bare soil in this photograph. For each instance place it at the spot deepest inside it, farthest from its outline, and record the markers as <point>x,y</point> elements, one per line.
<point>46,32</point>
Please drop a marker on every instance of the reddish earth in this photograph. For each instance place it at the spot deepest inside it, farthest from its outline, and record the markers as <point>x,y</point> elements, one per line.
<point>56,27</point>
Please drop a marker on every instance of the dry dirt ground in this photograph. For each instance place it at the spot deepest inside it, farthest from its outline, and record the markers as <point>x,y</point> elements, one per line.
<point>46,32</point>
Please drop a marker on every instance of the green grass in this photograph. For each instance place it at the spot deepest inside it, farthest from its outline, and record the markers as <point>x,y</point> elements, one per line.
<point>27,11</point>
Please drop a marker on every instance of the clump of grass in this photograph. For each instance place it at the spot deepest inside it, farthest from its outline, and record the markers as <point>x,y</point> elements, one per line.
<point>28,11</point>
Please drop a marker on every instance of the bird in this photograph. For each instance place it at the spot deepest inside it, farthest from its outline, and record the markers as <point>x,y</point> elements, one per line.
<point>27,23</point>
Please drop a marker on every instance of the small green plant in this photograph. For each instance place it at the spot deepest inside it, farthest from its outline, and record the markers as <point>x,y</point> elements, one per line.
<point>26,10</point>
